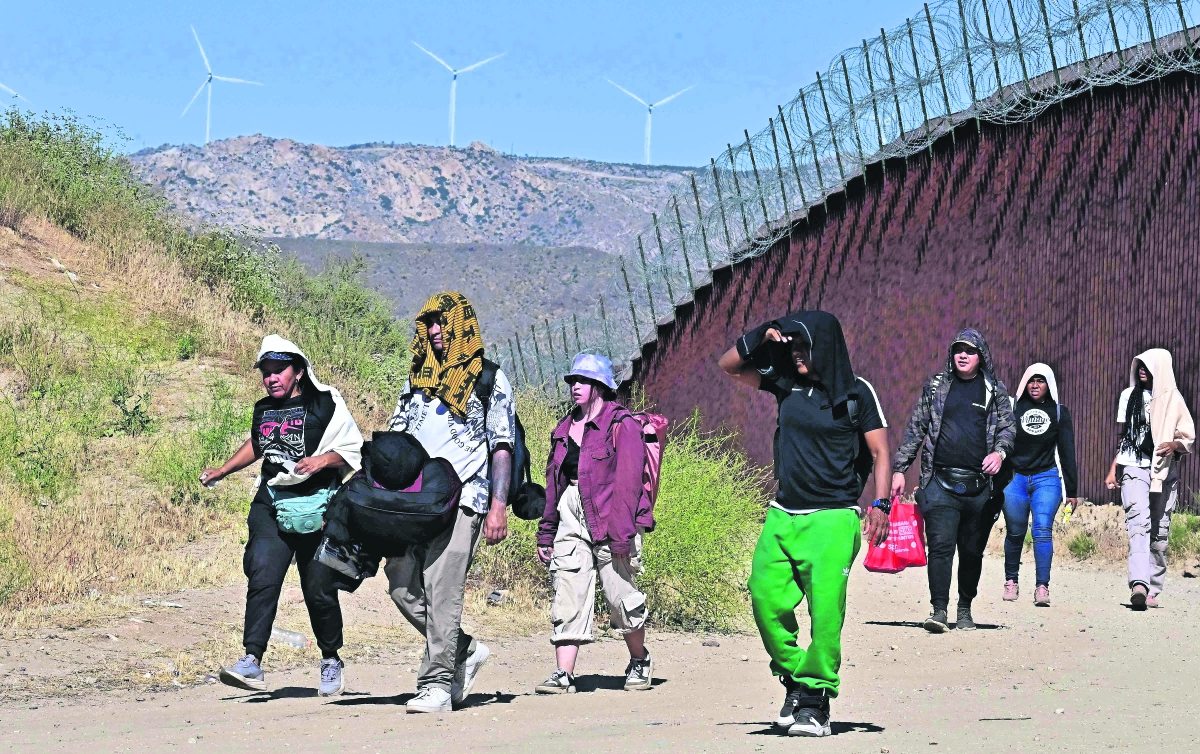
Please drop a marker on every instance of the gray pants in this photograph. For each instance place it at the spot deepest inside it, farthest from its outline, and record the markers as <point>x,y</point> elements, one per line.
<point>1148,522</point>
<point>427,585</point>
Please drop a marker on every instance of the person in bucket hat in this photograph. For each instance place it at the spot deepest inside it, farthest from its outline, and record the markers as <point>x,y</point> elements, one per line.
<point>593,524</point>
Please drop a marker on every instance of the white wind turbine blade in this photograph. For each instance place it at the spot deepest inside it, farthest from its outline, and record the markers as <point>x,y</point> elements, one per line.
<point>673,96</point>
<point>482,62</point>
<point>193,99</point>
<point>631,94</point>
<point>237,81</point>
<point>435,57</point>
<point>197,36</point>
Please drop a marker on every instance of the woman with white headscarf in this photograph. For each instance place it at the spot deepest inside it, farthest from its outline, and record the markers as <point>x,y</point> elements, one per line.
<point>1044,474</point>
<point>309,444</point>
<point>1156,430</point>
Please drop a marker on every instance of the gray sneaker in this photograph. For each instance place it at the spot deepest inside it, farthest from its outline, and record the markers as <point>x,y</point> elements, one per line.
<point>333,680</point>
<point>559,682</point>
<point>964,622</point>
<point>639,674</point>
<point>937,622</point>
<point>464,675</point>
<point>245,674</point>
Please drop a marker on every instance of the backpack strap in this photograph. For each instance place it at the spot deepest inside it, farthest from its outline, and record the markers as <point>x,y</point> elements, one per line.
<point>486,385</point>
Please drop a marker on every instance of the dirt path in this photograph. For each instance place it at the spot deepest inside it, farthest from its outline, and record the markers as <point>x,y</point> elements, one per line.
<point>1087,674</point>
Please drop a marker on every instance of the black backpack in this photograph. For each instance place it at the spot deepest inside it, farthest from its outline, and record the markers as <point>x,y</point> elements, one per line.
<point>526,498</point>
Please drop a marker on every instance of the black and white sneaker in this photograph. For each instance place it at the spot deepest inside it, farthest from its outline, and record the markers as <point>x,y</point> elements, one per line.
<point>790,703</point>
<point>639,674</point>
<point>811,718</point>
<point>559,682</point>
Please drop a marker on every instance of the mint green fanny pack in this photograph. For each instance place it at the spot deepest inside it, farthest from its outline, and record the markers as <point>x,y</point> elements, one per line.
<point>299,514</point>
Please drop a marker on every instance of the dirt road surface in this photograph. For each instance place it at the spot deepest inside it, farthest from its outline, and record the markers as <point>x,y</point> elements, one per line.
<point>1087,674</point>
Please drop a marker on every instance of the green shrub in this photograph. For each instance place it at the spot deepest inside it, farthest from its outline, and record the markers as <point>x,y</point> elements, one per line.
<point>1082,546</point>
<point>217,429</point>
<point>187,346</point>
<point>1184,539</point>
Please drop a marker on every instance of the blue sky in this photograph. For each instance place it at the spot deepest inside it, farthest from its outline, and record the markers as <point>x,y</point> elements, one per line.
<point>341,73</point>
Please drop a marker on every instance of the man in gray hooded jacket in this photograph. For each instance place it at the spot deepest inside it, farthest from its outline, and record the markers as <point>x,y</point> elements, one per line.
<point>963,425</point>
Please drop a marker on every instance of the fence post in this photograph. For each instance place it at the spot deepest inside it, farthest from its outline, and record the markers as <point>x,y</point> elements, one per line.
<point>537,353</point>
<point>662,255</point>
<point>962,14</point>
<point>812,142</point>
<point>524,367</point>
<point>632,314</point>
<point>1050,44</point>
<point>1182,25</point>
<point>837,150</point>
<point>757,181</point>
<point>683,246</point>
<point>646,276</point>
<point>1020,50</point>
<point>792,156</point>
<point>862,161</point>
<point>937,56</point>
<point>887,55</point>
<point>513,359</point>
<point>987,18</point>
<point>737,187</point>
<point>1112,21</point>
<point>550,353</point>
<point>912,42</point>
<point>874,102</point>
<point>578,342</point>
<point>1150,26</point>
<point>721,206</point>
<point>700,221</point>
<point>779,167</point>
<point>604,329</point>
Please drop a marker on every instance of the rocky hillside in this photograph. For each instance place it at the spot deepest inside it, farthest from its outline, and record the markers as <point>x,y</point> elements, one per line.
<point>407,193</point>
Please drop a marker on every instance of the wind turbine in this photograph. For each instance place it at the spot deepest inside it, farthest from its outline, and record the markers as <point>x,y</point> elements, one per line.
<point>649,109</point>
<point>208,83</point>
<point>454,80</point>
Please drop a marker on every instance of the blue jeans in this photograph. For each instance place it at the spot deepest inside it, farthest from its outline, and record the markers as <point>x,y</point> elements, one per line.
<point>1040,494</point>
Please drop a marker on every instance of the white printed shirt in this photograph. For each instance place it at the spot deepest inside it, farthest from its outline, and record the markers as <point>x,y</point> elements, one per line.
<point>468,444</point>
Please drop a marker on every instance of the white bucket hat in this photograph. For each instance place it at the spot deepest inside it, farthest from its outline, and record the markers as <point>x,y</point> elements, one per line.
<point>593,366</point>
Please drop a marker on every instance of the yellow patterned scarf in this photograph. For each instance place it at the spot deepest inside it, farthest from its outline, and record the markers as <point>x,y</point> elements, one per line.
<point>453,377</point>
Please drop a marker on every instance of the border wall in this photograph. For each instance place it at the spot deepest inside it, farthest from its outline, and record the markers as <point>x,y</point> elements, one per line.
<point>1072,238</point>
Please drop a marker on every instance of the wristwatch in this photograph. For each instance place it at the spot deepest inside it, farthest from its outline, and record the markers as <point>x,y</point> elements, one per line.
<point>884,505</point>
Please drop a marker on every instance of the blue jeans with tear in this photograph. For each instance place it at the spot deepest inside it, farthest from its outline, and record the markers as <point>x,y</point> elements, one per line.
<point>1039,494</point>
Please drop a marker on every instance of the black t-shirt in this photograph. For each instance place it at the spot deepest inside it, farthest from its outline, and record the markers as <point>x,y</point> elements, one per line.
<point>288,430</point>
<point>962,441</point>
<point>816,443</point>
<point>1037,436</point>
<point>570,463</point>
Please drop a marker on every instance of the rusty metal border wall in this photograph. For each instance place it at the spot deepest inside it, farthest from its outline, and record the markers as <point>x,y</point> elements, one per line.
<point>1072,239</point>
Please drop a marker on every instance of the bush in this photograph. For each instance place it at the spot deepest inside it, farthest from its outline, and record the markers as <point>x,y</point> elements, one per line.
<point>1184,539</point>
<point>1082,546</point>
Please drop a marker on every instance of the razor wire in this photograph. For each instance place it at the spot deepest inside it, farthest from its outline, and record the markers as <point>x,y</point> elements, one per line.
<point>892,96</point>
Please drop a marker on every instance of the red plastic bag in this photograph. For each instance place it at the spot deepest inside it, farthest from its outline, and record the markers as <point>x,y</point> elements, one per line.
<point>905,545</point>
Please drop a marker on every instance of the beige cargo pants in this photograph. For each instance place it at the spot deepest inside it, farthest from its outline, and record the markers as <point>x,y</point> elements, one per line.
<point>575,564</point>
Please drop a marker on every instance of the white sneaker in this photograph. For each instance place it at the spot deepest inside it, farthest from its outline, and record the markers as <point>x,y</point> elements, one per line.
<point>464,675</point>
<point>430,700</point>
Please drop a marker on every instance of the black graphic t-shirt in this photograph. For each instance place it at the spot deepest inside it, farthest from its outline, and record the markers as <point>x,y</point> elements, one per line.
<point>286,431</point>
<point>1043,428</point>
<point>962,440</point>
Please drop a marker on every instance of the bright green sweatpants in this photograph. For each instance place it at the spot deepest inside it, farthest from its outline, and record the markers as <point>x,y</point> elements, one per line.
<point>802,556</point>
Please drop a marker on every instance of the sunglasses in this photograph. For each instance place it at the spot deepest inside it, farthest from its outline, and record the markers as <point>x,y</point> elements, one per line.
<point>968,350</point>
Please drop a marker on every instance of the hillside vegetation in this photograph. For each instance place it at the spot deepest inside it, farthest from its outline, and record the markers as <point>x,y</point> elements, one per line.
<point>126,345</point>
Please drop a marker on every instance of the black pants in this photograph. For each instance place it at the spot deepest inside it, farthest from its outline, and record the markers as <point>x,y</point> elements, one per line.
<point>955,521</point>
<point>268,555</point>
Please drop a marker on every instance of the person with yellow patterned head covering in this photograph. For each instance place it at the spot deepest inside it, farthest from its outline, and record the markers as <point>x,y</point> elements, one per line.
<point>441,408</point>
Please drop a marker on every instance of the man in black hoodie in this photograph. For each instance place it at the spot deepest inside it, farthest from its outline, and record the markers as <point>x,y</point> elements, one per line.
<point>963,425</point>
<point>811,535</point>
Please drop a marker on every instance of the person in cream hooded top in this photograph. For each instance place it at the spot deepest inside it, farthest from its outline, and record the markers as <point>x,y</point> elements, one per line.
<point>1152,440</point>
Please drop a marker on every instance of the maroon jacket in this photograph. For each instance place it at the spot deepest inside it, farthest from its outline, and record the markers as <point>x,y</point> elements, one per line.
<point>610,479</point>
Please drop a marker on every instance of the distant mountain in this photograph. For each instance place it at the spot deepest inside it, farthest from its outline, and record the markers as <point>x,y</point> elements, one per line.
<point>408,193</point>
